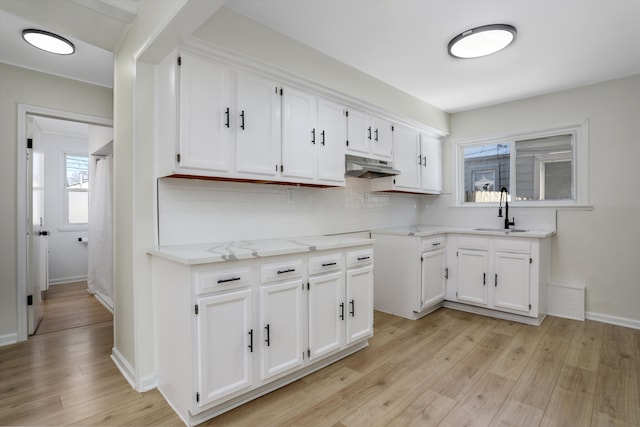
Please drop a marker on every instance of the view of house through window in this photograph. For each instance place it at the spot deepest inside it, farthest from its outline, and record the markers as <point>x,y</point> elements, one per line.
<point>486,171</point>
<point>76,189</point>
<point>533,169</point>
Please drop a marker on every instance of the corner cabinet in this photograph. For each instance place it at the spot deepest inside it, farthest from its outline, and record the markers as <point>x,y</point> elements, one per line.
<point>419,157</point>
<point>410,274</point>
<point>228,332</point>
<point>502,277</point>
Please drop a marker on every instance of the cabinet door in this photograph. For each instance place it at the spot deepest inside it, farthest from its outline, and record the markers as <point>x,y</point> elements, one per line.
<point>257,121</point>
<point>472,276</point>
<point>359,132</point>
<point>300,136</point>
<point>406,157</point>
<point>205,98</point>
<point>225,337</point>
<point>359,303</point>
<point>382,146</point>
<point>281,323</point>
<point>431,152</point>
<point>433,282</point>
<point>333,134</point>
<point>326,314</point>
<point>511,281</point>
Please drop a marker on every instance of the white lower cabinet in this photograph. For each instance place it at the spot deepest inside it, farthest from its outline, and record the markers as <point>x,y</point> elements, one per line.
<point>229,332</point>
<point>282,328</point>
<point>359,303</point>
<point>225,344</point>
<point>434,273</point>
<point>508,275</point>
<point>326,314</point>
<point>410,273</point>
<point>498,276</point>
<point>473,267</point>
<point>512,281</point>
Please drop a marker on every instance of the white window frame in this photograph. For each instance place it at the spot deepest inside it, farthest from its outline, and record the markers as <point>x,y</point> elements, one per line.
<point>66,226</point>
<point>580,164</point>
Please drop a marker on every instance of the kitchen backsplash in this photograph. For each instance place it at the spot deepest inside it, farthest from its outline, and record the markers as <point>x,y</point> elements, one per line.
<point>198,211</point>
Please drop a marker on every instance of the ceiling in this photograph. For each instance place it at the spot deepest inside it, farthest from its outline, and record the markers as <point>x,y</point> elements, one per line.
<point>561,44</point>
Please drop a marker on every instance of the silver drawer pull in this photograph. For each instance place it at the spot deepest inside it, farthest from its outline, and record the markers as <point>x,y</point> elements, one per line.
<point>233,279</point>
<point>288,270</point>
<point>327,264</point>
<point>362,258</point>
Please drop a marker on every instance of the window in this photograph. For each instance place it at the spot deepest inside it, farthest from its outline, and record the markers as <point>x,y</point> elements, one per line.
<point>537,168</point>
<point>76,189</point>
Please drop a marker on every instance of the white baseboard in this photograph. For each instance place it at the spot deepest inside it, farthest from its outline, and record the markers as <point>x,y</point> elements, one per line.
<point>8,339</point>
<point>124,366</point>
<point>64,280</point>
<point>614,320</point>
<point>148,383</point>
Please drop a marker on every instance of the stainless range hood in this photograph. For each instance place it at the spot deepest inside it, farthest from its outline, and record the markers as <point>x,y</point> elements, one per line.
<point>363,167</point>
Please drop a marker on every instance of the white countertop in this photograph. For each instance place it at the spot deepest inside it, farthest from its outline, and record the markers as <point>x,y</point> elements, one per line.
<point>247,249</point>
<point>434,230</point>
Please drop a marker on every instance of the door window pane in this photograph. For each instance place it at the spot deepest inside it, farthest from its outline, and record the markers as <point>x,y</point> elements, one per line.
<point>76,189</point>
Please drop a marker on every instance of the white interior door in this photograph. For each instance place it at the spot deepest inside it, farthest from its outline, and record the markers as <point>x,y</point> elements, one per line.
<point>38,247</point>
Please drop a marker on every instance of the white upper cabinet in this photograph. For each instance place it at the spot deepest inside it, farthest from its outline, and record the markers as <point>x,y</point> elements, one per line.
<point>407,158</point>
<point>206,94</point>
<point>215,119</point>
<point>368,135</point>
<point>257,123</point>
<point>300,135</point>
<point>431,171</point>
<point>313,137</point>
<point>332,124</point>
<point>418,157</point>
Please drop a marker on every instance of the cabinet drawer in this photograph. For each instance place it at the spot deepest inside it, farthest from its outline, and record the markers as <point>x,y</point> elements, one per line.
<point>476,243</point>
<point>359,258</point>
<point>433,244</point>
<point>208,280</point>
<point>281,270</point>
<point>325,263</point>
<point>513,246</point>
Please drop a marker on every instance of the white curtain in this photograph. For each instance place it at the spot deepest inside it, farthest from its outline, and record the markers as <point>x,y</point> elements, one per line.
<point>100,278</point>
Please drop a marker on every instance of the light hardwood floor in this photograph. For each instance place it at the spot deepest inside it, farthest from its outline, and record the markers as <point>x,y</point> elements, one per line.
<point>449,369</point>
<point>69,306</point>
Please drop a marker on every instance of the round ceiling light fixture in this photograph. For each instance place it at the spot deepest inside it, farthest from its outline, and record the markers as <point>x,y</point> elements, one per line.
<point>48,42</point>
<point>482,41</point>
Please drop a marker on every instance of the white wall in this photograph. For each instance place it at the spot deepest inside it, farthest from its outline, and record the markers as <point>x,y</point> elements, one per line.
<point>68,258</point>
<point>196,211</point>
<point>598,248</point>
<point>21,86</point>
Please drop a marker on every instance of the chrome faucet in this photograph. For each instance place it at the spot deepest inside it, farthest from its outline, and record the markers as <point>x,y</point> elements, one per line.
<point>507,223</point>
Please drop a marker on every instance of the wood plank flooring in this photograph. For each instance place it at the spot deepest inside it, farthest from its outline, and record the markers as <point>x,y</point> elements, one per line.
<point>68,306</point>
<point>447,369</point>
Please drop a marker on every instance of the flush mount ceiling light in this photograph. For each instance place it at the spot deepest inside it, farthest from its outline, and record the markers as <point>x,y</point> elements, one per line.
<point>482,41</point>
<point>48,42</point>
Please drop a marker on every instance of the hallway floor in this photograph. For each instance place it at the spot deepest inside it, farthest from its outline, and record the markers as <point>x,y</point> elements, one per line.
<point>69,305</point>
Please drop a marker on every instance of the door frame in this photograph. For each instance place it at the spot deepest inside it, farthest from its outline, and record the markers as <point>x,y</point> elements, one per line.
<point>22,194</point>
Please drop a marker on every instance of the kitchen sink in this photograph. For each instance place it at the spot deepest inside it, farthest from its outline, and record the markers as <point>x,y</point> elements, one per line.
<point>510,230</point>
